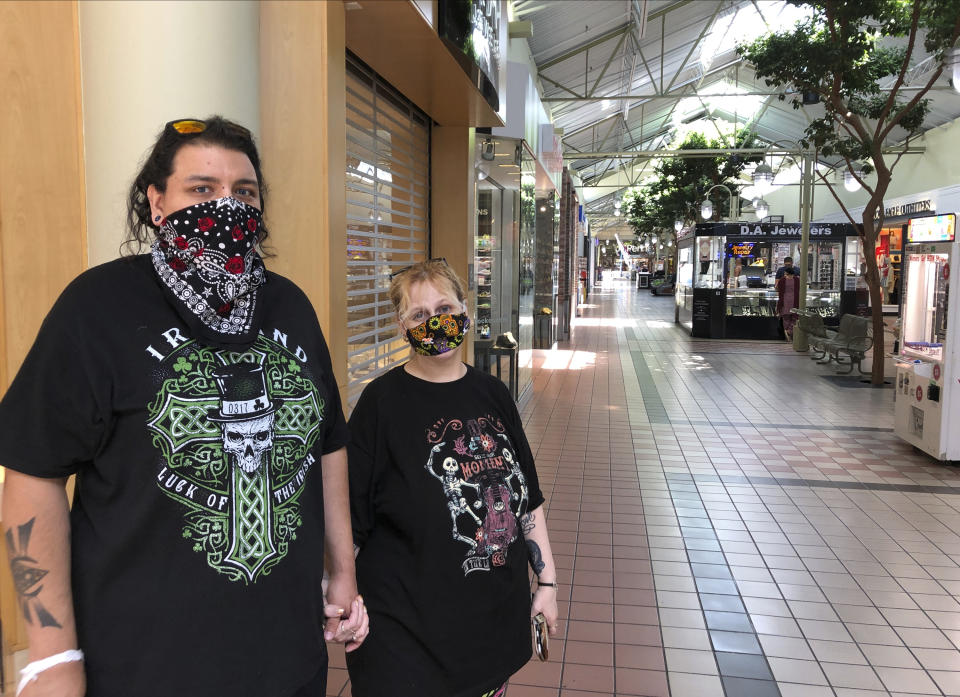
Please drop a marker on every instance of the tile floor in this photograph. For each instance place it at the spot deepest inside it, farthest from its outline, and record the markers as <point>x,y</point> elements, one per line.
<point>727,522</point>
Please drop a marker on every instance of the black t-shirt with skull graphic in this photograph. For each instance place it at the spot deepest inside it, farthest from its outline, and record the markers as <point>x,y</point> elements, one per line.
<point>197,525</point>
<point>440,474</point>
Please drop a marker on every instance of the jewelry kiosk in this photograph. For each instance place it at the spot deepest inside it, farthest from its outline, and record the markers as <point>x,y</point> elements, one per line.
<point>927,407</point>
<point>726,274</point>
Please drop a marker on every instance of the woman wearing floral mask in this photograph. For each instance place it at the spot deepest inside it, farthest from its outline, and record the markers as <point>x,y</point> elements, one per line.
<point>190,391</point>
<point>447,512</point>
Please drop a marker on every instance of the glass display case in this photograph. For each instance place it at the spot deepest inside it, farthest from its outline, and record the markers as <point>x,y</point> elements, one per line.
<point>825,303</point>
<point>732,293</point>
<point>749,302</point>
<point>485,270</point>
<point>483,263</point>
<point>924,323</point>
<point>709,262</point>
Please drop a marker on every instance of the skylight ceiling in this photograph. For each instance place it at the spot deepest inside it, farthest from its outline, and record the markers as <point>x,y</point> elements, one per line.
<point>744,24</point>
<point>675,62</point>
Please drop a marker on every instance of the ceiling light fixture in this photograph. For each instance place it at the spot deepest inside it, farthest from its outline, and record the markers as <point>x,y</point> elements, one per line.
<point>763,178</point>
<point>852,176</point>
<point>733,205</point>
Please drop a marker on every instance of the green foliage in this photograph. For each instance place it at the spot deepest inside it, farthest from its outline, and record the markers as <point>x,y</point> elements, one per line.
<point>679,185</point>
<point>837,54</point>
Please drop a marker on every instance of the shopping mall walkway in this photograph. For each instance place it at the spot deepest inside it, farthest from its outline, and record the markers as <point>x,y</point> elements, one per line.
<point>729,519</point>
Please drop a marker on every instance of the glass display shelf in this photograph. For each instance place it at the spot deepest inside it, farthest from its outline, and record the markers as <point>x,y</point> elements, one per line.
<point>750,302</point>
<point>483,259</point>
<point>825,303</point>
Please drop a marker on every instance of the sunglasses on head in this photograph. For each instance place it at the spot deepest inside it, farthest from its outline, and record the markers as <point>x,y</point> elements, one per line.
<point>188,127</point>
<point>442,260</point>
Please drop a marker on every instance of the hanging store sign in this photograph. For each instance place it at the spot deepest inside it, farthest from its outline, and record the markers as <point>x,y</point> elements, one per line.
<point>474,31</point>
<point>902,209</point>
<point>776,230</point>
<point>932,228</point>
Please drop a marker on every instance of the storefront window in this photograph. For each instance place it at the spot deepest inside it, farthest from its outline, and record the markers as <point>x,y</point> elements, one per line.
<point>528,260</point>
<point>852,265</point>
<point>825,266</point>
<point>684,288</point>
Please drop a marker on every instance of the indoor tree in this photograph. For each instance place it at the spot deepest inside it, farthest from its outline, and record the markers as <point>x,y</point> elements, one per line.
<point>679,184</point>
<point>840,54</point>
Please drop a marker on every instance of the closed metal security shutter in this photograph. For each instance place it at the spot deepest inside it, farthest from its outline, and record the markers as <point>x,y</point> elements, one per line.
<point>388,221</point>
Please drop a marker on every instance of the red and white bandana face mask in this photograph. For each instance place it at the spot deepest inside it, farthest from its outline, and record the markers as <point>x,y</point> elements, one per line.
<point>206,257</point>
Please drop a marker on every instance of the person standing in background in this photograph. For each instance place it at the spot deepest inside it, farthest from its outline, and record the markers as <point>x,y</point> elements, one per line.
<point>787,264</point>
<point>447,512</point>
<point>788,296</point>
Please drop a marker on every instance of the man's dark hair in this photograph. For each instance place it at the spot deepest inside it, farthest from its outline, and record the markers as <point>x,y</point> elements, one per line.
<point>141,229</point>
<point>788,260</point>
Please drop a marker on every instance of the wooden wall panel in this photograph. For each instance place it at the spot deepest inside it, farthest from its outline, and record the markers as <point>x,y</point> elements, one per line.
<point>42,229</point>
<point>395,39</point>
<point>303,145</point>
<point>453,205</point>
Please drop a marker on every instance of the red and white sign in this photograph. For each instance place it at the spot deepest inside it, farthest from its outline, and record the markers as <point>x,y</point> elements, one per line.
<point>919,394</point>
<point>936,372</point>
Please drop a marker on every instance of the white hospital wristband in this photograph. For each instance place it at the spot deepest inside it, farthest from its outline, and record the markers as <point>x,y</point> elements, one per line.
<point>33,669</point>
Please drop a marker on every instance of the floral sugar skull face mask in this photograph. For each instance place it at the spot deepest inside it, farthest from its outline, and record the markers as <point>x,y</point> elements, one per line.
<point>438,334</point>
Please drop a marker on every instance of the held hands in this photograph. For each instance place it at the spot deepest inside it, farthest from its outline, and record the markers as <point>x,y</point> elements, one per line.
<point>545,601</point>
<point>347,619</point>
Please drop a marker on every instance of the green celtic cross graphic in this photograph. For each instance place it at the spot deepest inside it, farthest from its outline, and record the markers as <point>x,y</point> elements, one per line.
<point>234,433</point>
<point>251,522</point>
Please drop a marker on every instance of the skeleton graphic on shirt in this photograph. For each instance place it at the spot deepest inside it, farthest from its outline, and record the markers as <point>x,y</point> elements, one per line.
<point>484,487</point>
<point>453,490</point>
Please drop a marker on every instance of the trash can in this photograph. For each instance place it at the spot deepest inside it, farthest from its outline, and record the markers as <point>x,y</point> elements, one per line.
<point>542,331</point>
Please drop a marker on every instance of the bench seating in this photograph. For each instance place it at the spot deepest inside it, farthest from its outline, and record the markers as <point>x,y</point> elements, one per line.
<point>852,340</point>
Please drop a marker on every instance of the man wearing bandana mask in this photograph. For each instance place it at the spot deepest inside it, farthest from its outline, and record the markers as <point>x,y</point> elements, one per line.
<point>191,393</point>
<point>446,512</point>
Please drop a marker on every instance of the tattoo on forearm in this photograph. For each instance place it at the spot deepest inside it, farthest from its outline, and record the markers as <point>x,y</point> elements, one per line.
<point>528,523</point>
<point>27,576</point>
<point>536,558</point>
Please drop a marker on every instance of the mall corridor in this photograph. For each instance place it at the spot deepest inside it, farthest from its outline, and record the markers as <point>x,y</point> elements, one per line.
<point>728,519</point>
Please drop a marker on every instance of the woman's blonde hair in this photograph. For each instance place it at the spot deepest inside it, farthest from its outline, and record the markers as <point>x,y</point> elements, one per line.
<point>436,271</point>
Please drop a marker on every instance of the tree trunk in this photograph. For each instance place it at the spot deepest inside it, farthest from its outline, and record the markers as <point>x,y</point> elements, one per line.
<point>869,240</point>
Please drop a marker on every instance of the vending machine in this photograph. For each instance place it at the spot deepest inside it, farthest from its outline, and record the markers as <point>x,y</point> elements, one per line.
<point>927,409</point>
